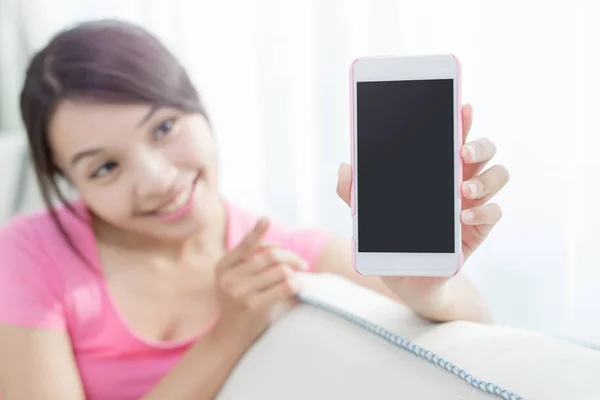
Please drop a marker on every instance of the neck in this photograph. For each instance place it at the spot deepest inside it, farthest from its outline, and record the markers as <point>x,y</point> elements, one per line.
<point>211,241</point>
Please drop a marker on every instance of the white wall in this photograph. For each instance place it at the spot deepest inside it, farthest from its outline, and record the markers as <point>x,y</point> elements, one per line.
<point>274,74</point>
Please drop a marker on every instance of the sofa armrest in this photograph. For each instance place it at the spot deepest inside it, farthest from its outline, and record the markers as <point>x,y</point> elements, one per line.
<point>312,354</point>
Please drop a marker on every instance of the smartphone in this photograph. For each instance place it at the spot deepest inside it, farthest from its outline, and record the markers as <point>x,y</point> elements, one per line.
<point>406,135</point>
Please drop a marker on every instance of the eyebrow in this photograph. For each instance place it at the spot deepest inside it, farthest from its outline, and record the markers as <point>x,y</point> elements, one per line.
<point>149,115</point>
<point>83,154</point>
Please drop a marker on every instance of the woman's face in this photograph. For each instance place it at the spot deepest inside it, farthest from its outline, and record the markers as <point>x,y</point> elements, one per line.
<point>140,169</point>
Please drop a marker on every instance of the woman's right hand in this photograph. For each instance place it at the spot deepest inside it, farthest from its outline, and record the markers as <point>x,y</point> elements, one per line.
<point>251,280</point>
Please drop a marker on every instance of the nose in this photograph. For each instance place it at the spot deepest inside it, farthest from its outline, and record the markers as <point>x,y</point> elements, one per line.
<point>154,177</point>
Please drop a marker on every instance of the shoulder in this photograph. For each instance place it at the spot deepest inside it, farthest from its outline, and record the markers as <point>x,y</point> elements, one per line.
<point>38,247</point>
<point>32,284</point>
<point>24,231</point>
<point>43,229</point>
<point>306,242</point>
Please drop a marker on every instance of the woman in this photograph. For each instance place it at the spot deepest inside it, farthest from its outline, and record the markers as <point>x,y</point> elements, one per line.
<point>151,285</point>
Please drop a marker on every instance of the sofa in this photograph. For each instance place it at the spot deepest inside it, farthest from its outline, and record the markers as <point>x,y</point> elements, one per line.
<point>312,353</point>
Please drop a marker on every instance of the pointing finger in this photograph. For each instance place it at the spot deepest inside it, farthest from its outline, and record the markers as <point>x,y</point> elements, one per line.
<point>248,245</point>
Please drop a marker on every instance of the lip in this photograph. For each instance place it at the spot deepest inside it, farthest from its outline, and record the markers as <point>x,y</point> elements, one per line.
<point>168,216</point>
<point>182,211</point>
<point>171,200</point>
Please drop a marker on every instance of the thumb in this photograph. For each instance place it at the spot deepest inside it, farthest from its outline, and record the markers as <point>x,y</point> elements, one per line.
<point>344,185</point>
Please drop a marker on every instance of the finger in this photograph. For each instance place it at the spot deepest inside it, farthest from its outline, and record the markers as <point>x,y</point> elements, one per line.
<point>344,185</point>
<point>467,120</point>
<point>476,155</point>
<point>266,298</point>
<point>247,246</point>
<point>272,256</point>
<point>478,151</point>
<point>488,214</point>
<point>268,244</point>
<point>245,285</point>
<point>486,185</point>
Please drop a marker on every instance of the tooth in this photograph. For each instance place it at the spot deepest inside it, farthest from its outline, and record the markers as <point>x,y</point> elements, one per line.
<point>177,203</point>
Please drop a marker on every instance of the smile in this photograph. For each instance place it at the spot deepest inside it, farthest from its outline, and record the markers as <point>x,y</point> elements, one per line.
<point>179,207</point>
<point>178,203</point>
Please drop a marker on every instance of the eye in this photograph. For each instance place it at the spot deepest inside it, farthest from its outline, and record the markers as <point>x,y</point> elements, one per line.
<point>164,128</point>
<point>104,170</point>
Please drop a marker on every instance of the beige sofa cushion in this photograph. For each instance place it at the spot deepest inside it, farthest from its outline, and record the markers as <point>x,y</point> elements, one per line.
<point>311,354</point>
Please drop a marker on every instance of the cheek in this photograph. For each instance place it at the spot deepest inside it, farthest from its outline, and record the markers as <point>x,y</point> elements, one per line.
<point>111,202</point>
<point>194,149</point>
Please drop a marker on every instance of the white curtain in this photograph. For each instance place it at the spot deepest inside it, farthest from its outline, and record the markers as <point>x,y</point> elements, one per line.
<point>274,75</point>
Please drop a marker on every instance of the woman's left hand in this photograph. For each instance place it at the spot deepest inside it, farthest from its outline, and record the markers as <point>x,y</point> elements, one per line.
<point>478,216</point>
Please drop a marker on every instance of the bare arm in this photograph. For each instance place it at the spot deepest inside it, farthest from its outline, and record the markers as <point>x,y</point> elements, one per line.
<point>203,370</point>
<point>38,364</point>
<point>456,299</point>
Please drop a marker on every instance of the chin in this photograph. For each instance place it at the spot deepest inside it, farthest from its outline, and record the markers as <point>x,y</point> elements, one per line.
<point>190,226</point>
<point>180,235</point>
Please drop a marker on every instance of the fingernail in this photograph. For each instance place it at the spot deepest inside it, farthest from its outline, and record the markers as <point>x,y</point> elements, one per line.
<point>304,266</point>
<point>470,151</point>
<point>468,215</point>
<point>295,289</point>
<point>293,283</point>
<point>473,189</point>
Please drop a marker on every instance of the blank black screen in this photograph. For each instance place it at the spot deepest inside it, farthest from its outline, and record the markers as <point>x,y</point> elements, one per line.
<point>405,166</point>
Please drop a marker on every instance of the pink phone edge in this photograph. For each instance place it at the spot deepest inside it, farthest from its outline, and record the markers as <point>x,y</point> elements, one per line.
<point>354,249</point>
<point>459,135</point>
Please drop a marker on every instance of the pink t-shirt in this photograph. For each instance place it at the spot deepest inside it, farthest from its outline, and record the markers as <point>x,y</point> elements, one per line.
<point>44,284</point>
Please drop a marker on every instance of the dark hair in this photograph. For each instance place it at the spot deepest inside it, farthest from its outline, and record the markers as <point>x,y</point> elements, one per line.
<point>98,61</point>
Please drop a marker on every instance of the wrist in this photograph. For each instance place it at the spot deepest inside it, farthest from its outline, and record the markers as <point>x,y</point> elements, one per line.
<point>434,304</point>
<point>465,301</point>
<point>455,299</point>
